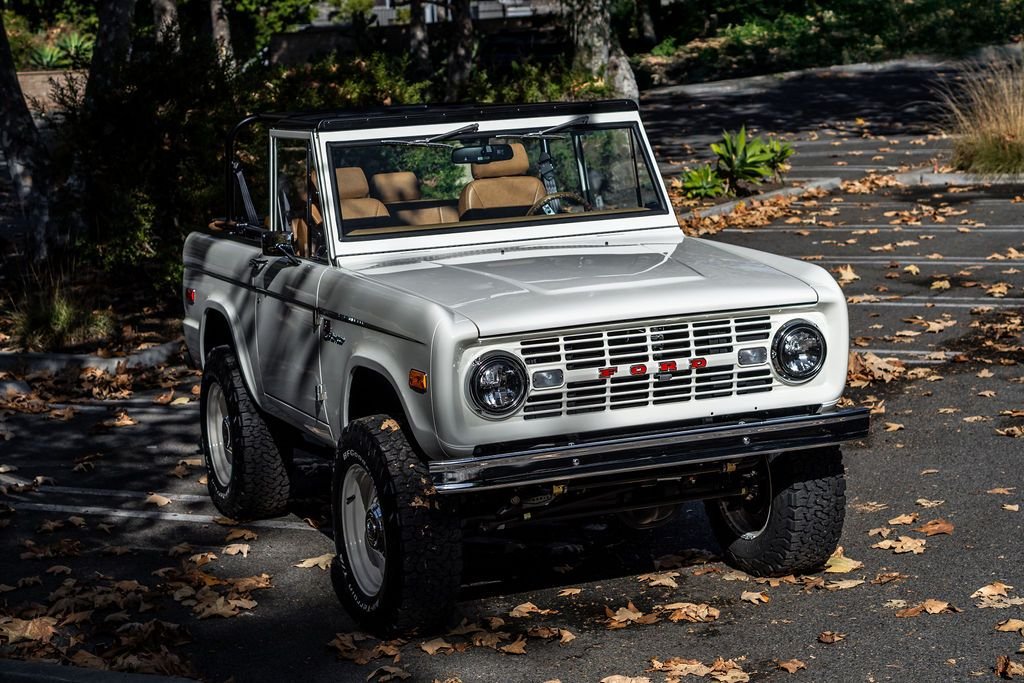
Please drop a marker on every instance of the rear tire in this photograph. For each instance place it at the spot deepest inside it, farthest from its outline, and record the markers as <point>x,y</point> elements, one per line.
<point>398,562</point>
<point>792,525</point>
<point>246,466</point>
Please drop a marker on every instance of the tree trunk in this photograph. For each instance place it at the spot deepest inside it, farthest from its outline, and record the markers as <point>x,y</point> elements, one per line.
<point>419,49</point>
<point>27,158</point>
<point>645,23</point>
<point>460,59</point>
<point>112,50</point>
<point>165,21</point>
<point>220,28</point>
<point>597,50</point>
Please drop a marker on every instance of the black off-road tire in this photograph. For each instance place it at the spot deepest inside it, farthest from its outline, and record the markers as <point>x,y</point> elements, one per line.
<point>423,539</point>
<point>804,522</point>
<point>259,484</point>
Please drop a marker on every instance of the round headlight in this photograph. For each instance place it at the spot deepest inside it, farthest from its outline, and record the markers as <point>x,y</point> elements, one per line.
<point>798,351</point>
<point>497,383</point>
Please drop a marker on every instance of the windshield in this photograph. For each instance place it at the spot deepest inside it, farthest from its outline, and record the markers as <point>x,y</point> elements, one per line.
<point>471,181</point>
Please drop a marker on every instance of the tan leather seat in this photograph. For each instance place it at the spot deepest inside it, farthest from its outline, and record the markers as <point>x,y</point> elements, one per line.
<point>354,195</point>
<point>400,191</point>
<point>400,186</point>
<point>501,188</point>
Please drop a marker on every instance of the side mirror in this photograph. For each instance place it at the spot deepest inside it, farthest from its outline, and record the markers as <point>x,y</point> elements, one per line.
<point>484,154</point>
<point>279,244</point>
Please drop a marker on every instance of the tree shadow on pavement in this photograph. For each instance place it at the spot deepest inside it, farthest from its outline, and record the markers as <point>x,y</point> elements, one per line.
<point>890,101</point>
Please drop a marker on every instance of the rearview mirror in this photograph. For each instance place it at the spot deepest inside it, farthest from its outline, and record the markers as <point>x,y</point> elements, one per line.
<point>481,155</point>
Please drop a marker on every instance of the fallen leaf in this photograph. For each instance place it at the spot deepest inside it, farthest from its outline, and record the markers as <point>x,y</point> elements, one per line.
<point>386,674</point>
<point>904,519</point>
<point>994,589</point>
<point>1011,626</point>
<point>517,647</point>
<point>905,544</point>
<point>243,534</point>
<point>790,665</point>
<point>432,647</point>
<point>527,608</point>
<point>838,563</point>
<point>237,549</point>
<point>691,612</point>
<point>843,585</point>
<point>893,426</point>
<point>935,527</point>
<point>567,592</point>
<point>165,398</point>
<point>322,561</point>
<point>925,503</point>
<point>1007,668</point>
<point>157,499</point>
<point>830,637</point>
<point>755,598</point>
<point>1012,508</point>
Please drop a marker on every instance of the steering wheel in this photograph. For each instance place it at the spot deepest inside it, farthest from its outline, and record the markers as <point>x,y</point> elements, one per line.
<point>551,196</point>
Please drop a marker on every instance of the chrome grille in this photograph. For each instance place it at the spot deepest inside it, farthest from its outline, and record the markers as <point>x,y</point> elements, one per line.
<point>647,345</point>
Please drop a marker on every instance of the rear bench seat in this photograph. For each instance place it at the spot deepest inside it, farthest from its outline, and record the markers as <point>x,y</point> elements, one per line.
<point>400,193</point>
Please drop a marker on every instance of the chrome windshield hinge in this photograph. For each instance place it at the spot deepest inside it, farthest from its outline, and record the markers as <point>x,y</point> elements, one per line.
<point>321,393</point>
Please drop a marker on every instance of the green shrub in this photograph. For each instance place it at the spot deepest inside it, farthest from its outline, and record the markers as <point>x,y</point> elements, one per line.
<point>48,57</point>
<point>665,48</point>
<point>703,183</point>
<point>741,160</point>
<point>76,49</point>
<point>50,316</point>
<point>778,162</point>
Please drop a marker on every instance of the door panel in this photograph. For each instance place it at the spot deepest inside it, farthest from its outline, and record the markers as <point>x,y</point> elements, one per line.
<point>287,332</point>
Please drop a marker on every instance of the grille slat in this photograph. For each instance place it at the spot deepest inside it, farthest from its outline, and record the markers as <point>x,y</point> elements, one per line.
<point>648,346</point>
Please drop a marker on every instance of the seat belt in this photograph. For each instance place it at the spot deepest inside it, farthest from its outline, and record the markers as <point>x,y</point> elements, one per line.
<point>243,188</point>
<point>547,175</point>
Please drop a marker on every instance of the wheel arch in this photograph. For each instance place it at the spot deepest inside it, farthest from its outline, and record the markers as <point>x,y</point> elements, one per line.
<point>220,327</point>
<point>372,390</point>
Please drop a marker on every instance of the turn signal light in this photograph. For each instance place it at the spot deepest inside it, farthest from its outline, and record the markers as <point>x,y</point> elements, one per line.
<point>418,381</point>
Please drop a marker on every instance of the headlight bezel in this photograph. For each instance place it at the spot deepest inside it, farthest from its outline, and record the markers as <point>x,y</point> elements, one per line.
<point>777,343</point>
<point>477,366</point>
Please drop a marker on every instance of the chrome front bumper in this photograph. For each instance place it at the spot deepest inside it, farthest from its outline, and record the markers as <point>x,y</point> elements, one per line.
<point>656,453</point>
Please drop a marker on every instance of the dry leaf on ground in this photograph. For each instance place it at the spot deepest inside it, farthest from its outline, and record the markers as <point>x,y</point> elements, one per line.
<point>157,499</point>
<point>790,665</point>
<point>527,608</point>
<point>905,544</point>
<point>322,561</point>
<point>838,563</point>
<point>935,527</point>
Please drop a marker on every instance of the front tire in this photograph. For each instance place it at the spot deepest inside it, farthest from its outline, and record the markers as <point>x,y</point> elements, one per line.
<point>398,562</point>
<point>792,523</point>
<point>246,468</point>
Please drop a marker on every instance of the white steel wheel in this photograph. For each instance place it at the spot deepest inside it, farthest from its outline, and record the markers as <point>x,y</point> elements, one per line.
<point>218,434</point>
<point>362,528</point>
<point>748,518</point>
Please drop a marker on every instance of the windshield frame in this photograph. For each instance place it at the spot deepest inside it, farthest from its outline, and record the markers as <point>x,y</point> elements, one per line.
<point>495,230</point>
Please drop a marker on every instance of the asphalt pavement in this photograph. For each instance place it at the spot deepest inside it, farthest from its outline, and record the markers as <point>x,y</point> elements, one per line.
<point>934,453</point>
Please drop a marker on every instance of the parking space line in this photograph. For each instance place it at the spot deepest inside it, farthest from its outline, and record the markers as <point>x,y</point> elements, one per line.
<point>937,303</point>
<point>816,227</point>
<point>155,515</point>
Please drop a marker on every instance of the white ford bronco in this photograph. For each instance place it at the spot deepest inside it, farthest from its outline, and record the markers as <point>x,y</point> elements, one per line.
<point>491,316</point>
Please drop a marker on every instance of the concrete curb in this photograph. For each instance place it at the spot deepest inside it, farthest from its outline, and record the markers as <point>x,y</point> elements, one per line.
<point>17,671</point>
<point>930,179</point>
<point>826,184</point>
<point>55,362</point>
